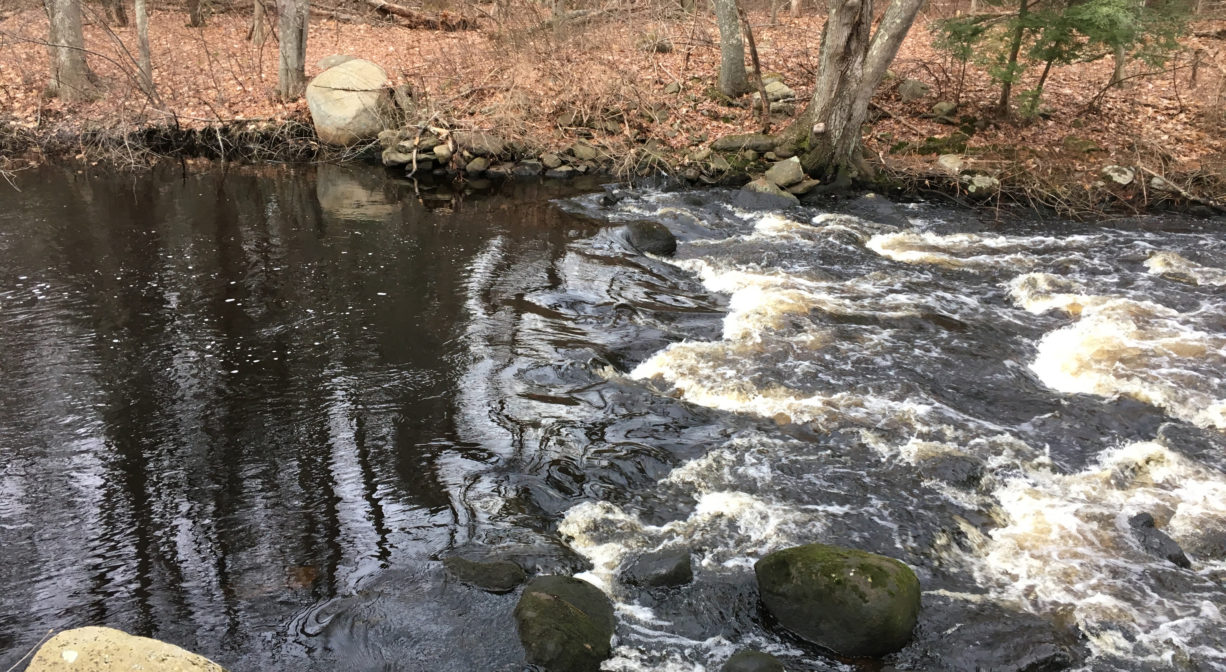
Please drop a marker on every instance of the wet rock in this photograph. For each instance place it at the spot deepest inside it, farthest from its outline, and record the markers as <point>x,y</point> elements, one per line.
<point>959,470</point>
<point>758,142</point>
<point>852,602</point>
<point>349,102</point>
<point>1210,543</point>
<point>561,172</point>
<point>662,569</point>
<point>1156,542</point>
<point>565,624</point>
<point>392,157</point>
<point>497,576</point>
<point>785,173</point>
<point>584,151</point>
<point>651,238</point>
<point>767,195</point>
<point>962,636</point>
<point>749,660</point>
<point>879,210</point>
<point>527,168</point>
<point>95,649</point>
<point>803,187</point>
<point>477,166</point>
<point>479,143</point>
<point>912,89</point>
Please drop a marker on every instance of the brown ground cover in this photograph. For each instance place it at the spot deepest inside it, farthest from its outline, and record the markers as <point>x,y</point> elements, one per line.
<point>614,78</point>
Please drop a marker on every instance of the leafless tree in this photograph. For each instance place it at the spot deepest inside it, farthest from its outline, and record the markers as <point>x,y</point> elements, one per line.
<point>850,67</point>
<point>292,37</point>
<point>71,78</point>
<point>733,81</point>
<point>143,58</point>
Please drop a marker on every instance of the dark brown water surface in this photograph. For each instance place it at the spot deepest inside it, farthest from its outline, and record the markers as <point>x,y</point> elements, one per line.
<point>247,412</point>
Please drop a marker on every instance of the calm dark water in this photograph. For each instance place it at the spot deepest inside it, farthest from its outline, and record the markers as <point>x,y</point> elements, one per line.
<point>248,411</point>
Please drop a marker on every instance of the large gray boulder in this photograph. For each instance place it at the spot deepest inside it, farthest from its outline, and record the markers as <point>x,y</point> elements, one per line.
<point>95,649</point>
<point>785,173</point>
<point>565,624</point>
<point>349,102</point>
<point>855,603</point>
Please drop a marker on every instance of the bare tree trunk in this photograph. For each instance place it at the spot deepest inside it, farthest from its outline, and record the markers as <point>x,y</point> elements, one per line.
<point>1006,89</point>
<point>116,13</point>
<point>142,40</point>
<point>795,9</point>
<point>850,68</point>
<point>195,13</point>
<point>1121,60</point>
<point>733,80</point>
<point>258,34</point>
<point>71,78</point>
<point>291,69</point>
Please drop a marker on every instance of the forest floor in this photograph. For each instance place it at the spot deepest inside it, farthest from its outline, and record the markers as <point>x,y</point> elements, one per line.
<point>626,80</point>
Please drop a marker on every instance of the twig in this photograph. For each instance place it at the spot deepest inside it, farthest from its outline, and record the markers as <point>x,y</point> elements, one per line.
<point>34,648</point>
<point>897,118</point>
<point>1184,192</point>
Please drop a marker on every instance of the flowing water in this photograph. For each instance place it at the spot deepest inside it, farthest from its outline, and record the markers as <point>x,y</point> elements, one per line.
<point>247,413</point>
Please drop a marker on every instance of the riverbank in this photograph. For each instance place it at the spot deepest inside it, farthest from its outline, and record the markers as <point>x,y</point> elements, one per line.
<point>636,85</point>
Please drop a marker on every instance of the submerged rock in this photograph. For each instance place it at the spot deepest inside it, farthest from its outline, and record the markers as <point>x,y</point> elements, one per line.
<point>565,624</point>
<point>852,602</point>
<point>651,238</point>
<point>749,660</point>
<point>965,636</point>
<point>662,569</point>
<point>1155,541</point>
<point>95,649</point>
<point>497,576</point>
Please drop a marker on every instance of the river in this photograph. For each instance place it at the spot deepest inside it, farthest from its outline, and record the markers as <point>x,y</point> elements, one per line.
<point>248,411</point>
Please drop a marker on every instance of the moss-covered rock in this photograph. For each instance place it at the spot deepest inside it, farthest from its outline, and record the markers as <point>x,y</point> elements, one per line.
<point>565,624</point>
<point>852,602</point>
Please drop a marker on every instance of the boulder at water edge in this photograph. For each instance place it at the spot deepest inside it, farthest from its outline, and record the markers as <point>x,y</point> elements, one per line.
<point>565,624</point>
<point>854,603</point>
<point>96,649</point>
<point>349,102</point>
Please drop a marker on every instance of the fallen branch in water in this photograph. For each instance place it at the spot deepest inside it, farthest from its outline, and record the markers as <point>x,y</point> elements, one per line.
<point>1184,193</point>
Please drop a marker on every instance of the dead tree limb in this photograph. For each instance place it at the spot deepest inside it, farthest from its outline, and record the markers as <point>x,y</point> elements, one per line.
<point>445,20</point>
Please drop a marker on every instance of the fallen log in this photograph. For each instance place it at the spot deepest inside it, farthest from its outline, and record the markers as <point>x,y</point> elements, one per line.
<point>445,20</point>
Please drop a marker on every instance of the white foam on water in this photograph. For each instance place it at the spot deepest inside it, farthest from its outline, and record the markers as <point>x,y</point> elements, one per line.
<point>1140,349</point>
<point>971,250</point>
<point>1065,546</point>
<point>1176,266</point>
